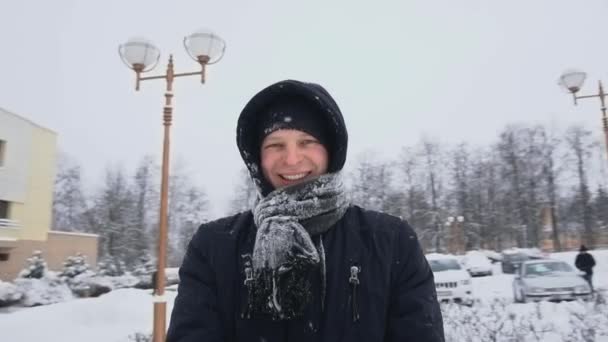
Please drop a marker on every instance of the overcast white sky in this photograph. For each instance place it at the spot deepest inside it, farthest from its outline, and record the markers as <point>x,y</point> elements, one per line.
<point>455,70</point>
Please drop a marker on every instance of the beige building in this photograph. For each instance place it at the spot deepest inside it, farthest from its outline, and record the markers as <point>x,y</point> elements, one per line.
<point>27,175</point>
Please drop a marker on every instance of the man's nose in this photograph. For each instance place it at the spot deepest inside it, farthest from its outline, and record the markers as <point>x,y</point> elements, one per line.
<point>293,155</point>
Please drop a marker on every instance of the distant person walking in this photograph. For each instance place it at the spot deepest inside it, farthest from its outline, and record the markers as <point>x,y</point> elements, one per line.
<point>585,262</point>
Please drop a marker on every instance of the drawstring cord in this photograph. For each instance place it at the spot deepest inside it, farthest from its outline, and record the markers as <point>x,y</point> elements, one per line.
<point>354,281</point>
<point>321,250</point>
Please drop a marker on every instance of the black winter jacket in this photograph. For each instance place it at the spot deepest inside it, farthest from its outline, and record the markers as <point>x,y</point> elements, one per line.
<point>379,286</point>
<point>585,262</point>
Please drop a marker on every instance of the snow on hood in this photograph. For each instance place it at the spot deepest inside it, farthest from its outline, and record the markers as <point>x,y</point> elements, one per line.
<point>451,275</point>
<point>440,256</point>
<point>476,259</point>
<point>549,281</point>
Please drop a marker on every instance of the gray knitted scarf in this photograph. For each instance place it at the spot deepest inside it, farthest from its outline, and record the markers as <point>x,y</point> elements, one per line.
<point>284,255</point>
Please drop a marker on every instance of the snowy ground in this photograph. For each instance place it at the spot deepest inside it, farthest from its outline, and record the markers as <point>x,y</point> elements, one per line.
<point>111,317</point>
<point>120,313</point>
<point>500,285</point>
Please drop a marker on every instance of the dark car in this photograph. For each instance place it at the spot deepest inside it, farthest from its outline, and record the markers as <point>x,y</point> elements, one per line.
<point>512,259</point>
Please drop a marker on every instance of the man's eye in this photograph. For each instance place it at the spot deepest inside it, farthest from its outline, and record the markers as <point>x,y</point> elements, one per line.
<point>276,145</point>
<point>309,141</point>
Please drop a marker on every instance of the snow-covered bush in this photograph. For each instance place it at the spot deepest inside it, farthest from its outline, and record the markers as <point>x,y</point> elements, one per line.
<point>110,266</point>
<point>88,284</point>
<point>144,270</point>
<point>35,268</point>
<point>140,337</point>
<point>81,280</point>
<point>9,294</point>
<point>492,322</point>
<point>46,290</point>
<point>587,321</point>
<point>74,265</point>
<point>125,281</point>
<point>503,321</point>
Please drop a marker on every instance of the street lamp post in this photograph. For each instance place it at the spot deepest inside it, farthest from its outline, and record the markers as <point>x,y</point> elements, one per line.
<point>456,242</point>
<point>573,81</point>
<point>141,56</point>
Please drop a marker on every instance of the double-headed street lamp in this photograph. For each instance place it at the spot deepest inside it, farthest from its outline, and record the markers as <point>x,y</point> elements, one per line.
<point>456,235</point>
<point>573,81</point>
<point>141,56</point>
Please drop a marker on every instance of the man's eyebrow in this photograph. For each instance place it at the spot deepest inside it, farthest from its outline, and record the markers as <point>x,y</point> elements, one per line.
<point>306,136</point>
<point>270,139</point>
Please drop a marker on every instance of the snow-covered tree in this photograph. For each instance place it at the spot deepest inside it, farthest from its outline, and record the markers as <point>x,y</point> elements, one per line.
<point>69,203</point>
<point>145,266</point>
<point>114,217</point>
<point>580,146</point>
<point>600,206</point>
<point>245,193</point>
<point>146,194</point>
<point>188,208</point>
<point>432,156</point>
<point>111,266</point>
<point>371,185</point>
<point>36,266</point>
<point>74,265</point>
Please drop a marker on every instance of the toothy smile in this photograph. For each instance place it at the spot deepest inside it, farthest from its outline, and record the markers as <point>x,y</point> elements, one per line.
<point>295,177</point>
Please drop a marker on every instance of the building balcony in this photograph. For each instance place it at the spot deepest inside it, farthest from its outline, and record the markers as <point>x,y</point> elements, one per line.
<point>6,223</point>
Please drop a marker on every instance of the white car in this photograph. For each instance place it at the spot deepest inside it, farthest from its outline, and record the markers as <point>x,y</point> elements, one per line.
<point>452,282</point>
<point>477,263</point>
<point>548,279</point>
<point>492,255</point>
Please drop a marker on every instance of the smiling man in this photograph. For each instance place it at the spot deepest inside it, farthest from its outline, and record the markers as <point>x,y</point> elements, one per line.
<point>304,264</point>
<point>292,143</point>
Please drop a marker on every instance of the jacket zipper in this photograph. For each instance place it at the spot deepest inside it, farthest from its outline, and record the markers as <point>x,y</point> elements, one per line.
<point>354,281</point>
<point>246,310</point>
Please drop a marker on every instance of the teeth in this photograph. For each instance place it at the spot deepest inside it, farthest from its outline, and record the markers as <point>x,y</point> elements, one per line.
<point>295,177</point>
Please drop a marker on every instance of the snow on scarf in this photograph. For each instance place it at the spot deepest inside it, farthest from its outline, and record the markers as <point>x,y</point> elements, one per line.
<point>284,255</point>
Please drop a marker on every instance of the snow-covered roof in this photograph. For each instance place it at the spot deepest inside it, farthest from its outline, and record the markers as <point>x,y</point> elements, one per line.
<point>537,261</point>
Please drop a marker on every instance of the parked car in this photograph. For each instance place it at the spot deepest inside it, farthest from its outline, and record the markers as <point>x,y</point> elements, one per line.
<point>492,255</point>
<point>477,264</point>
<point>452,282</point>
<point>512,258</point>
<point>548,279</point>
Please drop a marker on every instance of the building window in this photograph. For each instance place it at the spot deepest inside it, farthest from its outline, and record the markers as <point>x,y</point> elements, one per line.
<point>3,209</point>
<point>2,152</point>
<point>4,256</point>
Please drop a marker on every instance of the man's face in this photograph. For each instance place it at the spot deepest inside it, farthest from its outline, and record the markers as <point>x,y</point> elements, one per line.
<point>290,156</point>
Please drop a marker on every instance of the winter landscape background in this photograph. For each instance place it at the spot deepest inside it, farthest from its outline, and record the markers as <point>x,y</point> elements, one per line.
<point>126,314</point>
<point>452,109</point>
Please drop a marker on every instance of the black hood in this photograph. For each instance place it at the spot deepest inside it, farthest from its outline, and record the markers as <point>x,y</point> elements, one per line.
<point>328,111</point>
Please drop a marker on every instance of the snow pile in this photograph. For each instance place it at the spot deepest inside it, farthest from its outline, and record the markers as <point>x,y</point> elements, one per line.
<point>121,282</point>
<point>47,290</point>
<point>9,294</point>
